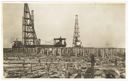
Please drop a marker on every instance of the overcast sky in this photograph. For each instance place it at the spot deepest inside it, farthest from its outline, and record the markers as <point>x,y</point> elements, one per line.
<point>101,25</point>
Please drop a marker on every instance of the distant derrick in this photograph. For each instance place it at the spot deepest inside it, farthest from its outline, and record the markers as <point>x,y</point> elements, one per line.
<point>76,41</point>
<point>28,31</point>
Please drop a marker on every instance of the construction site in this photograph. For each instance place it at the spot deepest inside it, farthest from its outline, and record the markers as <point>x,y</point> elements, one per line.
<point>28,58</point>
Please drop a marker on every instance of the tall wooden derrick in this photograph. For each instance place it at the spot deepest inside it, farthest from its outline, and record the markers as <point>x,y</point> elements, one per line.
<point>76,41</point>
<point>29,37</point>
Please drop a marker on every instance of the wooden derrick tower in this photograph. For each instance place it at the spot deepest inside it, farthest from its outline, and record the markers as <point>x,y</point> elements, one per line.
<point>29,37</point>
<point>76,41</point>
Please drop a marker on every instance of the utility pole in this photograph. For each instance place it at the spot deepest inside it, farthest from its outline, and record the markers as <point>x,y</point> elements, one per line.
<point>76,41</point>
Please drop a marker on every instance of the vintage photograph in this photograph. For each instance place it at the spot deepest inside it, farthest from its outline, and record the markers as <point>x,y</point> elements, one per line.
<point>64,40</point>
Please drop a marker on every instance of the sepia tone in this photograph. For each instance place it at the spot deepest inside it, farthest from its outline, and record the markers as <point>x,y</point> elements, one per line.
<point>64,40</point>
